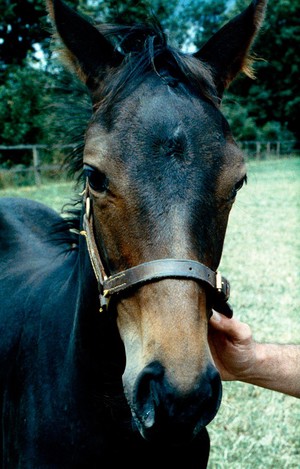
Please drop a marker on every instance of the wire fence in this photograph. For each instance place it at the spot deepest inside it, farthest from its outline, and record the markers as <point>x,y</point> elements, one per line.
<point>35,164</point>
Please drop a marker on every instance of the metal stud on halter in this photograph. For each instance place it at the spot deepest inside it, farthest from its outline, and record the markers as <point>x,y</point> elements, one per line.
<point>88,207</point>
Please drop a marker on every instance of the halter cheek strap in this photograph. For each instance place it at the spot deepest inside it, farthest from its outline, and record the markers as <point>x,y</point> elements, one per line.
<point>98,268</point>
<point>147,272</point>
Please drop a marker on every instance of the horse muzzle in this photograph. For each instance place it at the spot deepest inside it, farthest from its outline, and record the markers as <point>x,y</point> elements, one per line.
<point>164,414</point>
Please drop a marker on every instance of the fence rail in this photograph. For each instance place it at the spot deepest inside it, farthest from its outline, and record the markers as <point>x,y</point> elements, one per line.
<point>260,149</point>
<point>37,166</point>
<point>252,149</point>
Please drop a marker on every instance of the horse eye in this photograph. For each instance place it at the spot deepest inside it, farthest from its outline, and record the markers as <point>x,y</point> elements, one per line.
<point>238,186</point>
<point>97,180</point>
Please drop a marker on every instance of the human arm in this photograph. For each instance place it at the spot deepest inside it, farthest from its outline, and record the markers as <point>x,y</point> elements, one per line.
<point>239,357</point>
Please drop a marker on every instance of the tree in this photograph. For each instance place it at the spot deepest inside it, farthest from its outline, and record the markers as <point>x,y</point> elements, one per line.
<point>20,99</point>
<point>23,25</point>
<point>274,96</point>
<point>133,11</point>
<point>26,90</point>
<point>196,21</point>
<point>272,99</point>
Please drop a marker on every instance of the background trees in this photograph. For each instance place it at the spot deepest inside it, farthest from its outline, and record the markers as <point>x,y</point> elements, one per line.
<point>29,81</point>
<point>270,105</point>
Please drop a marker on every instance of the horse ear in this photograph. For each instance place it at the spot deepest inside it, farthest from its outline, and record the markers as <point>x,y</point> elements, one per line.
<point>87,50</point>
<point>227,51</point>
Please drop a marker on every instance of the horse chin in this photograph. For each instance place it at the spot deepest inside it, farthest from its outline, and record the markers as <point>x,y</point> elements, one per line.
<point>169,435</point>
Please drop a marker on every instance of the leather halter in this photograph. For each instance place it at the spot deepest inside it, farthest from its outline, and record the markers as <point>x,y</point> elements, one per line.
<point>155,270</point>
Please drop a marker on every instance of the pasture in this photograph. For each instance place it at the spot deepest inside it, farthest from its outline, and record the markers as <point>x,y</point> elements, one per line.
<point>255,428</point>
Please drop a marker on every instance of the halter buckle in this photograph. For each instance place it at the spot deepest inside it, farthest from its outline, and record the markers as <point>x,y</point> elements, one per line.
<point>222,287</point>
<point>219,282</point>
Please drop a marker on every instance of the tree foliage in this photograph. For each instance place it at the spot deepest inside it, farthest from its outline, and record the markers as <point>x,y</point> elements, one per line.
<point>22,25</point>
<point>196,21</point>
<point>22,99</point>
<point>274,97</point>
<point>267,107</point>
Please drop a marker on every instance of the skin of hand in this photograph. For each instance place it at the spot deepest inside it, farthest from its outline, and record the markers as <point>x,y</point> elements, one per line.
<point>232,347</point>
<point>239,357</point>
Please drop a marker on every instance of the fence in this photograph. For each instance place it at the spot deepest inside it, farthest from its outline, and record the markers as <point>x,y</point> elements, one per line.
<point>38,164</point>
<point>264,149</point>
<point>252,149</point>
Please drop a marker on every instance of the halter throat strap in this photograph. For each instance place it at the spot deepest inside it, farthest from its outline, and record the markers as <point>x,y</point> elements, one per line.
<point>151,271</point>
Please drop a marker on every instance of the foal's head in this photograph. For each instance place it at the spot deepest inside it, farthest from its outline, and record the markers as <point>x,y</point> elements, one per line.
<point>163,171</point>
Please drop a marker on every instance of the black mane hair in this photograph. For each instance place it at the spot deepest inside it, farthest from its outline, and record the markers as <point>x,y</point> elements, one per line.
<point>145,49</point>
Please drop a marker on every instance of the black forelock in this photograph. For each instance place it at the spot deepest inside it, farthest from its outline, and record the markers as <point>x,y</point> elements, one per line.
<point>145,49</point>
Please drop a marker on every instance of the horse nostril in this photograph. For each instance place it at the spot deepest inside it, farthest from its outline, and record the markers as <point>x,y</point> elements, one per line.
<point>146,394</point>
<point>162,411</point>
<point>213,377</point>
<point>213,386</point>
<point>209,395</point>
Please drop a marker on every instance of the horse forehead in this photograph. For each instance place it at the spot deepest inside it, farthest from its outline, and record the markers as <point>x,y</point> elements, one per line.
<point>152,116</point>
<point>164,108</point>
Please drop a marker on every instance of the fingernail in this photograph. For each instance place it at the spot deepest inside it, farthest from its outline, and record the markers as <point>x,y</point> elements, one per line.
<point>216,316</point>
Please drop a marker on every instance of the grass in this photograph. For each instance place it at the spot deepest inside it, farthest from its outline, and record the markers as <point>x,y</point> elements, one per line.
<point>255,428</point>
<point>54,195</point>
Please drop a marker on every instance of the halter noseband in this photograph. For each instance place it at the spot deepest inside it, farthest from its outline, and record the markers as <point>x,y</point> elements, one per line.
<point>151,271</point>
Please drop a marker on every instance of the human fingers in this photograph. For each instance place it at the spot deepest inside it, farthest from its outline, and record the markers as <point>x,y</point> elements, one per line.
<point>235,329</point>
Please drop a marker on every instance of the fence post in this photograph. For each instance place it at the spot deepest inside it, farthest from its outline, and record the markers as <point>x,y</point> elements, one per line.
<point>36,165</point>
<point>278,148</point>
<point>258,150</point>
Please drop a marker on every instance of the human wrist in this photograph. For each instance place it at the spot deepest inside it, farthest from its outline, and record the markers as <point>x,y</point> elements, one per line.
<point>275,367</point>
<point>254,370</point>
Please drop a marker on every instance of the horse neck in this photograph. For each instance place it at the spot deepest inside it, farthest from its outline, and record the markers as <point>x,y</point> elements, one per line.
<point>95,346</point>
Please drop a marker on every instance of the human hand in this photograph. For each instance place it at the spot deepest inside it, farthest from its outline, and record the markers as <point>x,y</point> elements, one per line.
<point>232,347</point>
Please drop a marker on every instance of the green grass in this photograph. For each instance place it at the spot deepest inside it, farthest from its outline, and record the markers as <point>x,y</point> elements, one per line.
<point>255,428</point>
<point>54,195</point>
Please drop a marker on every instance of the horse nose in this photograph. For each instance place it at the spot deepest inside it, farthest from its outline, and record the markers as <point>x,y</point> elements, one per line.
<point>164,413</point>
